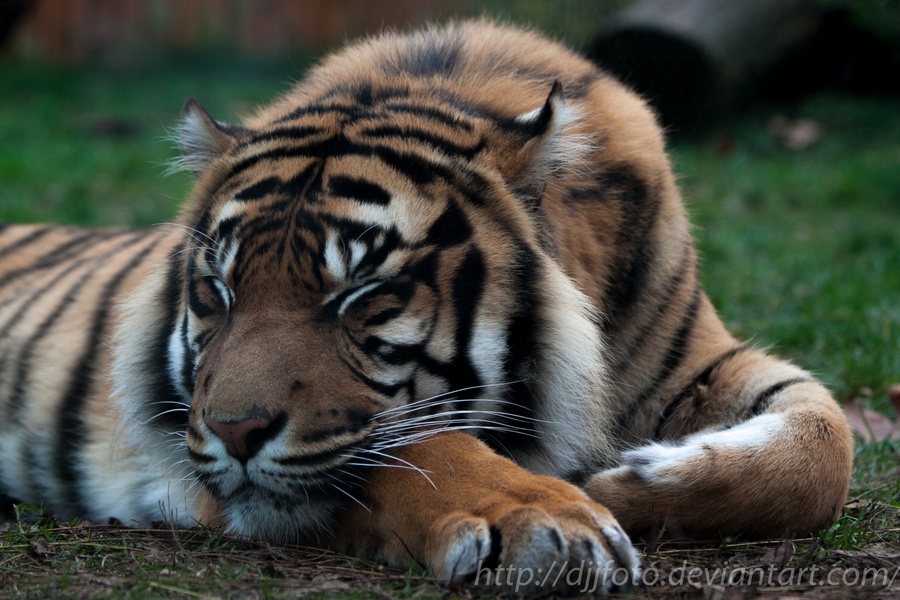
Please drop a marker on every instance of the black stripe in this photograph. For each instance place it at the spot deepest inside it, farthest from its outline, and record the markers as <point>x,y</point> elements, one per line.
<point>396,100</point>
<point>358,189</point>
<point>375,256</point>
<point>382,317</point>
<point>453,120</point>
<point>71,430</point>
<point>467,291</point>
<point>162,390</point>
<point>422,171</point>
<point>259,235</point>
<point>518,364</point>
<point>202,339</point>
<point>188,357</point>
<point>650,327</point>
<point>295,133</point>
<point>198,458</point>
<point>195,304</point>
<point>29,456</point>
<point>330,310</point>
<point>396,354</point>
<point>245,260</point>
<point>320,109</point>
<point>76,244</point>
<point>418,168</point>
<point>24,362</point>
<point>638,205</point>
<point>292,188</point>
<point>450,229</point>
<point>59,254</point>
<point>425,271</point>
<point>26,240</point>
<point>320,435</point>
<point>258,190</point>
<point>702,379</point>
<point>270,154</point>
<point>36,295</point>
<point>385,389</point>
<point>765,398</point>
<point>674,356</point>
<point>265,222</point>
<point>227,227</point>
<point>364,95</point>
<point>426,137</point>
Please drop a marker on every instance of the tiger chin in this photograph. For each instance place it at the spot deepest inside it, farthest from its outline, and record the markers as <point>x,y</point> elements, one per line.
<point>439,302</point>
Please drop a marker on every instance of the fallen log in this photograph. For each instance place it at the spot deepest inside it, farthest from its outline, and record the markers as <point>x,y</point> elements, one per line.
<point>693,59</point>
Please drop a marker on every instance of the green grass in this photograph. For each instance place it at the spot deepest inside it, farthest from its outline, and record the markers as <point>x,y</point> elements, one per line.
<point>801,251</point>
<point>89,147</point>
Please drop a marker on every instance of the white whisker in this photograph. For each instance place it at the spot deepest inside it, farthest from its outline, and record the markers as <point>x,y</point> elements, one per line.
<point>438,418</point>
<point>412,466</point>
<point>165,412</point>
<point>348,494</point>
<point>195,233</point>
<point>404,407</point>
<point>406,441</point>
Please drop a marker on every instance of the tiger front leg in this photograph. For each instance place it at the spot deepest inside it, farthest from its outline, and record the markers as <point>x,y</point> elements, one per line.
<point>477,516</point>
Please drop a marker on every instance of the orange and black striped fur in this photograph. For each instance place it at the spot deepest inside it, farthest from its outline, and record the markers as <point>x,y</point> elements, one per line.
<point>443,288</point>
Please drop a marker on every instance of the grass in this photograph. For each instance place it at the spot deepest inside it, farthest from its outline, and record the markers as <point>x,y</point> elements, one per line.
<point>814,235</point>
<point>800,252</point>
<point>88,147</point>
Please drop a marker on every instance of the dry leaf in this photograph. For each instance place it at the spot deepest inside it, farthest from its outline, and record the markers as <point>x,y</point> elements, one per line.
<point>780,555</point>
<point>869,424</point>
<point>39,548</point>
<point>795,135</point>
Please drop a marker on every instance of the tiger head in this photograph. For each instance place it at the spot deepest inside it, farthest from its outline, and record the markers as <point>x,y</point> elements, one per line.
<point>358,270</point>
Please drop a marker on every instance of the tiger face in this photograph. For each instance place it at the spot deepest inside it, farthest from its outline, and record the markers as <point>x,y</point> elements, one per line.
<point>343,297</point>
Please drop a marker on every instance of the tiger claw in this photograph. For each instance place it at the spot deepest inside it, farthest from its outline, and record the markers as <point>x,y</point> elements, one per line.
<point>554,546</point>
<point>467,545</point>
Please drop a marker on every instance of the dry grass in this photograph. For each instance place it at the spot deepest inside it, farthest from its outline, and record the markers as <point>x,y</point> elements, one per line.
<point>859,557</point>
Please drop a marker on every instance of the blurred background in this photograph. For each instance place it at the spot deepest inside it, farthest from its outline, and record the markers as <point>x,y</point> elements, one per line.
<point>783,118</point>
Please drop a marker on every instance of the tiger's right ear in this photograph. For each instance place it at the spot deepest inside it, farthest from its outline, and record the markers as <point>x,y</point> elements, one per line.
<point>201,138</point>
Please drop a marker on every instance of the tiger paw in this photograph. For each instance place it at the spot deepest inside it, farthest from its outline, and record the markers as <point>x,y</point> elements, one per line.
<point>534,536</point>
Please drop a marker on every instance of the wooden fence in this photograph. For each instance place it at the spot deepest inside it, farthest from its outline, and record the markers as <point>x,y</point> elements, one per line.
<point>124,31</point>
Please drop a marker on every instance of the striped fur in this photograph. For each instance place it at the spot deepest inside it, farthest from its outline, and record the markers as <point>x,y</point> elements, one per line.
<point>465,232</point>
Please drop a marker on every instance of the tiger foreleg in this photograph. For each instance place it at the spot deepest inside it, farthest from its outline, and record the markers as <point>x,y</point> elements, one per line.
<point>779,465</point>
<point>464,511</point>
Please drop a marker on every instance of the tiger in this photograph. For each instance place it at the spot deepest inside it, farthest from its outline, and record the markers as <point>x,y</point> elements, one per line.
<point>439,302</point>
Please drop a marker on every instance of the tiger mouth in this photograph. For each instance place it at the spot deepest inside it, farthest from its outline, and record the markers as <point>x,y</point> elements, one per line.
<point>306,477</point>
<point>313,491</point>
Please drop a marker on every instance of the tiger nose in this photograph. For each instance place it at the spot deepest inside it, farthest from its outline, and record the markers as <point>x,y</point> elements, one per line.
<point>243,439</point>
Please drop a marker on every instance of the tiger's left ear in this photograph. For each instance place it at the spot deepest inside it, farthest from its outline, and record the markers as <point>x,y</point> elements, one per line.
<point>202,139</point>
<point>540,146</point>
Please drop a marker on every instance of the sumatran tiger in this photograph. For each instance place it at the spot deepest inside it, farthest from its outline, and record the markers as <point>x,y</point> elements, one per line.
<point>438,302</point>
